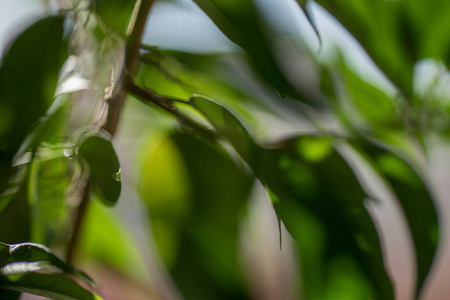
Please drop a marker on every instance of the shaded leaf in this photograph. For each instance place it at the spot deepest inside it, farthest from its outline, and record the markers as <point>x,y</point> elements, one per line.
<point>297,174</point>
<point>32,268</point>
<point>242,24</point>
<point>227,125</point>
<point>28,77</point>
<point>57,287</point>
<point>100,156</point>
<point>302,183</point>
<point>391,42</point>
<point>15,217</point>
<point>414,197</point>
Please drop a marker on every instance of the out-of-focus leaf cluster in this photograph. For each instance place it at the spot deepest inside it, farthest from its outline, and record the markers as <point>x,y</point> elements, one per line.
<point>196,190</point>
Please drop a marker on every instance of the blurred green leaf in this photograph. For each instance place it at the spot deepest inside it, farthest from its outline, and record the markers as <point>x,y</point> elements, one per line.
<point>28,76</point>
<point>429,28</point>
<point>334,202</point>
<point>227,125</point>
<point>32,268</point>
<point>49,182</point>
<point>385,32</point>
<point>202,266</point>
<point>105,239</point>
<point>15,217</point>
<point>242,24</point>
<point>115,14</point>
<point>100,156</point>
<point>297,174</point>
<point>415,198</point>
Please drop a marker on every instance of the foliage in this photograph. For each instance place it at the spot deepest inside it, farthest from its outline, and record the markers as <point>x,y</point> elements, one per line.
<point>194,141</point>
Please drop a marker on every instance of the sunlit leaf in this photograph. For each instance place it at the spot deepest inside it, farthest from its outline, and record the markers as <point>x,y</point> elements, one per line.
<point>100,156</point>
<point>115,14</point>
<point>49,182</point>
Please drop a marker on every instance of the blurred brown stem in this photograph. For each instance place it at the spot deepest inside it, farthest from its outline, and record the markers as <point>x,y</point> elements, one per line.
<point>115,104</point>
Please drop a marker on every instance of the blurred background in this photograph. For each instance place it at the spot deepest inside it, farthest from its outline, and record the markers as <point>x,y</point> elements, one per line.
<point>181,218</point>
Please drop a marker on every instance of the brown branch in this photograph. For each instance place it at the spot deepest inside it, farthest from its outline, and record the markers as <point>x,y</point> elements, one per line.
<point>130,64</point>
<point>168,104</point>
<point>81,212</point>
<point>115,104</point>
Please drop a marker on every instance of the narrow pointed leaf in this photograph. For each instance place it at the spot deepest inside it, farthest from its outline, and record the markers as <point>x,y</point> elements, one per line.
<point>28,77</point>
<point>297,174</point>
<point>243,25</point>
<point>415,199</point>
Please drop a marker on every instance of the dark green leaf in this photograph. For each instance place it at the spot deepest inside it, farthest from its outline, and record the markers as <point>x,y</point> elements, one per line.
<point>100,156</point>
<point>15,217</point>
<point>242,24</point>
<point>227,125</point>
<point>297,174</point>
<point>57,287</point>
<point>28,76</point>
<point>32,268</point>
<point>346,246</point>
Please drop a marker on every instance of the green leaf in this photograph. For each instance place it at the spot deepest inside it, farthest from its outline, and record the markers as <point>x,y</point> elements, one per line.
<point>105,239</point>
<point>32,268</point>
<point>57,287</point>
<point>364,106</point>
<point>194,192</point>
<point>28,77</point>
<point>242,24</point>
<point>15,217</point>
<point>345,247</point>
<point>415,198</point>
<point>227,125</point>
<point>390,43</point>
<point>49,182</point>
<point>115,14</point>
<point>103,163</point>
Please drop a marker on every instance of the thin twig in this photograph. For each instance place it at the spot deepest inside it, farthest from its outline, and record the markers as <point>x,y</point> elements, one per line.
<point>81,213</point>
<point>131,61</point>
<point>167,103</point>
<point>115,104</point>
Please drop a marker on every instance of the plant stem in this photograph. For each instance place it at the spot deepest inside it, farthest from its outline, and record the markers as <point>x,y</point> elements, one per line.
<point>115,104</point>
<point>131,62</point>
<point>81,213</point>
<point>167,103</point>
